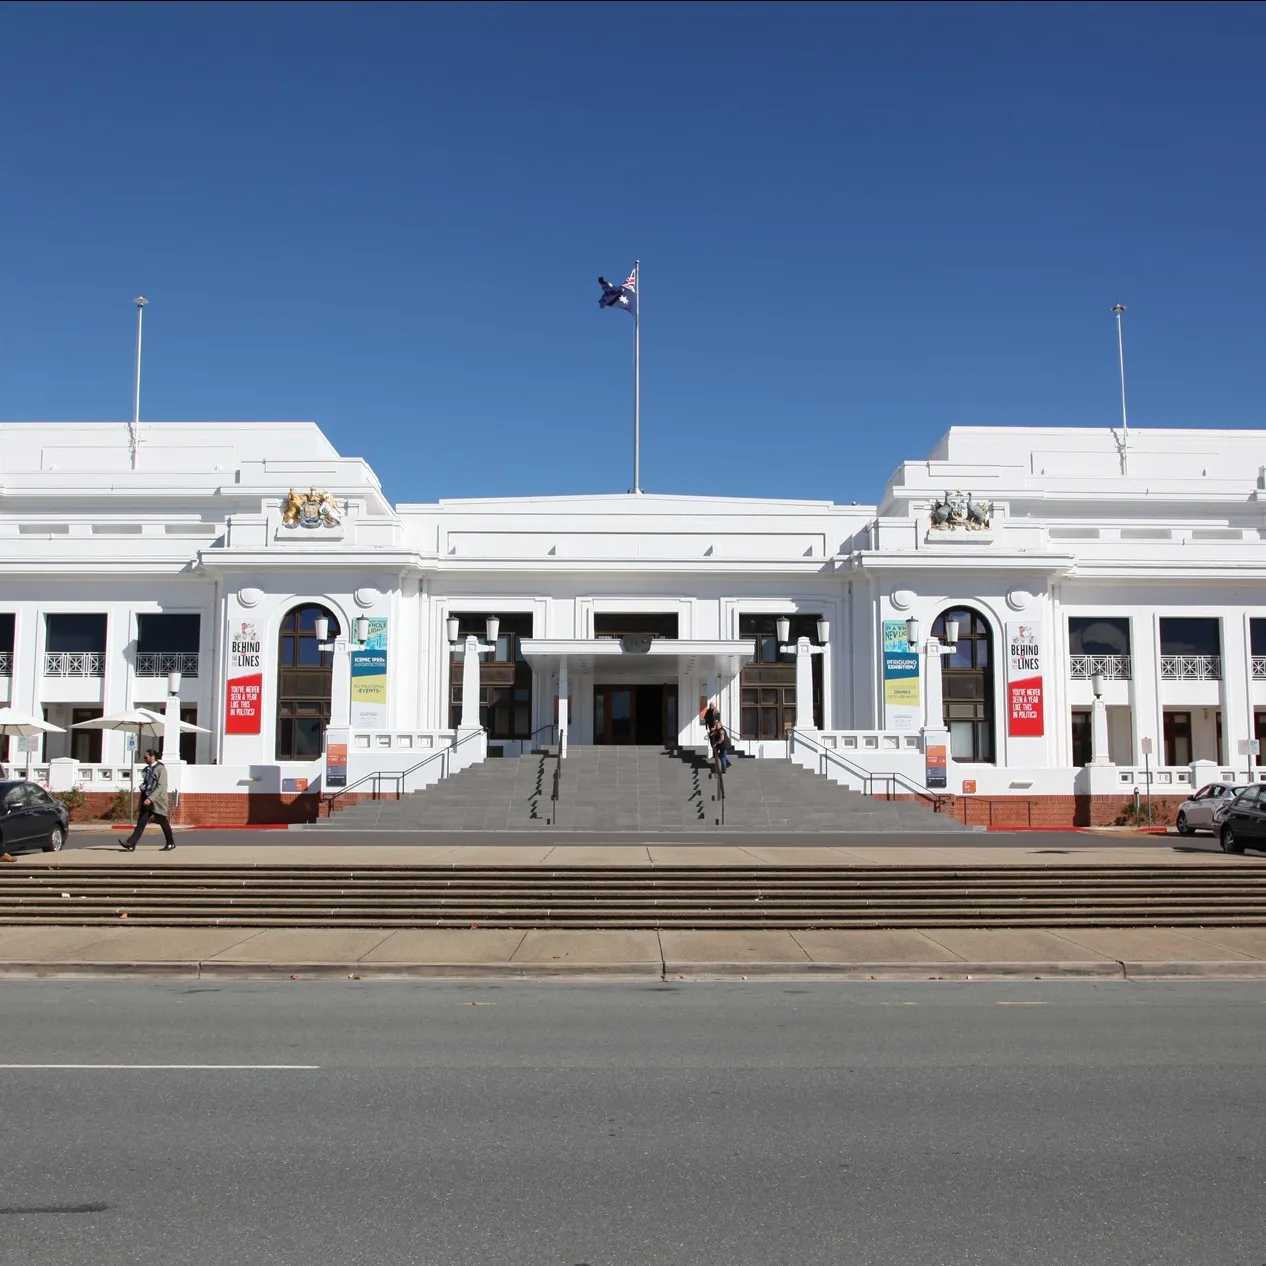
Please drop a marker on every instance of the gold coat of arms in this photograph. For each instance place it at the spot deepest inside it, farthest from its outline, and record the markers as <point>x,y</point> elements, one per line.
<point>311,509</point>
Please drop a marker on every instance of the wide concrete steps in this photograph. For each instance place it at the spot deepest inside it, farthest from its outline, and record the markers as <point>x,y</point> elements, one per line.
<point>616,897</point>
<point>640,789</point>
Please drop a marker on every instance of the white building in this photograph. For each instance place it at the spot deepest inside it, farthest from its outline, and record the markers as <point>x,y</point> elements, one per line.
<point>1139,570</point>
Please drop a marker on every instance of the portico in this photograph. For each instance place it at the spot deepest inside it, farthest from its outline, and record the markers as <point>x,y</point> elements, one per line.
<point>634,689</point>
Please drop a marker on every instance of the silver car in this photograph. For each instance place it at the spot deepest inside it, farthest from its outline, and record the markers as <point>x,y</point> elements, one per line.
<point>1203,811</point>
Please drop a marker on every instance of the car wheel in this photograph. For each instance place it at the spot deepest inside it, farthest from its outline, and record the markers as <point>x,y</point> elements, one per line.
<point>1229,843</point>
<point>56,838</point>
<point>1183,828</point>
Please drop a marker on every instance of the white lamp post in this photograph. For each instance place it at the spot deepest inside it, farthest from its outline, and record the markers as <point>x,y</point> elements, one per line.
<point>171,720</point>
<point>803,650</point>
<point>472,648</point>
<point>934,648</point>
<point>1099,754</point>
<point>341,674</point>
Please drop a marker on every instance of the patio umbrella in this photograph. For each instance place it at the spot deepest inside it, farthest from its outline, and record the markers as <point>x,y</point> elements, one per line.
<point>23,725</point>
<point>137,719</point>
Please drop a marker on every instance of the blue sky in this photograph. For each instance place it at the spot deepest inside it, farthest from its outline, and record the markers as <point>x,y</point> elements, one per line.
<point>859,225</point>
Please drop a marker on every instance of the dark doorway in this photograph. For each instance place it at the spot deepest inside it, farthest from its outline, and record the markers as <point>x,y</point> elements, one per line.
<point>645,715</point>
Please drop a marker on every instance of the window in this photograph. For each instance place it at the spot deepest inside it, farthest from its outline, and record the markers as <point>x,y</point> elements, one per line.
<point>75,633</point>
<point>1098,635</point>
<point>304,682</point>
<point>1177,738</point>
<point>767,686</point>
<point>505,679</point>
<point>189,742</point>
<point>967,686</point>
<point>1081,738</point>
<point>85,745</point>
<point>1256,635</point>
<point>1185,636</point>
<point>157,633</point>
<point>6,631</point>
<point>648,624</point>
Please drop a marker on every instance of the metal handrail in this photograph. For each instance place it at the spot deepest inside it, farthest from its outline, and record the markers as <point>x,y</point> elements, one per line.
<point>868,779</point>
<point>551,726</point>
<point>379,775</point>
<point>558,778</point>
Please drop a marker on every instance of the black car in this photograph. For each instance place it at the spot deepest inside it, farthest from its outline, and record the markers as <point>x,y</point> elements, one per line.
<point>1244,821</point>
<point>29,816</point>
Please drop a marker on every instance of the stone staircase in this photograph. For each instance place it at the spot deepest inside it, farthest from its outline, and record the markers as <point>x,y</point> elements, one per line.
<point>638,789</point>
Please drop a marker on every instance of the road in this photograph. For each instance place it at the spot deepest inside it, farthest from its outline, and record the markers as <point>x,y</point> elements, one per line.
<point>729,1124</point>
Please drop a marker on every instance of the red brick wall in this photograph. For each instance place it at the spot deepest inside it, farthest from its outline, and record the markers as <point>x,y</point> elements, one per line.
<point>1052,811</point>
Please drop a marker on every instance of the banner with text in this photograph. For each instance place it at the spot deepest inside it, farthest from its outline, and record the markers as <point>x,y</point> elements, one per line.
<point>1024,681</point>
<point>369,678</point>
<point>901,679</point>
<point>243,705</point>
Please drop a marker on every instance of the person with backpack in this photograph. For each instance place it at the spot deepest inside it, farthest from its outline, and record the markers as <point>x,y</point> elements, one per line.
<point>153,804</point>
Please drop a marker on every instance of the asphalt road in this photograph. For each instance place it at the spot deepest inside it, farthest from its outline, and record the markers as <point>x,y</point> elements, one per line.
<point>751,1124</point>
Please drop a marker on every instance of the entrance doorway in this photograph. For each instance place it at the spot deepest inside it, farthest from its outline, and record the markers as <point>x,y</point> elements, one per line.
<point>635,714</point>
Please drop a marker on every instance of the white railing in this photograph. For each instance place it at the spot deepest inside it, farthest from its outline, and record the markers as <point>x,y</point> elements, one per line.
<point>1191,667</point>
<point>74,663</point>
<point>6,663</point>
<point>1109,667</point>
<point>1259,667</point>
<point>160,663</point>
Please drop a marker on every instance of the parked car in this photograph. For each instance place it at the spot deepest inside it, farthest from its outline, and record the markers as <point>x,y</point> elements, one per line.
<point>30,817</point>
<point>1204,810</point>
<point>1244,821</point>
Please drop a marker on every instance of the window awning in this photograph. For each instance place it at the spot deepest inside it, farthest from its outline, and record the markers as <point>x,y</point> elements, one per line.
<point>631,656</point>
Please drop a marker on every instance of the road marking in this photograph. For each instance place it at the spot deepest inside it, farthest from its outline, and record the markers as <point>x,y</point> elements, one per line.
<point>1022,1004</point>
<point>147,1068</point>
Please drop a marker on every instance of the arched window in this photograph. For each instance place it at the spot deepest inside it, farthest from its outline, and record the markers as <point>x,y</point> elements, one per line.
<point>304,678</point>
<point>967,686</point>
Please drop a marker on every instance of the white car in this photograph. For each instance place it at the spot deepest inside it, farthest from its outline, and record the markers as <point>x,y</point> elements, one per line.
<point>1203,811</point>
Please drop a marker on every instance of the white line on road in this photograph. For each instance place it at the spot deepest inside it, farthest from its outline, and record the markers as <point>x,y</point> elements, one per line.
<point>217,1068</point>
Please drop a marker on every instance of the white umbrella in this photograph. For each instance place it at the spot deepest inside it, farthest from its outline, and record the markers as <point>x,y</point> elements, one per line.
<point>24,725</point>
<point>137,719</point>
<point>185,727</point>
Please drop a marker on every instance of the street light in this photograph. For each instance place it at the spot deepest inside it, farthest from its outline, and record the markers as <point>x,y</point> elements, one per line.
<point>824,632</point>
<point>472,649</point>
<point>803,650</point>
<point>783,627</point>
<point>173,682</point>
<point>1096,684</point>
<point>912,632</point>
<point>452,625</point>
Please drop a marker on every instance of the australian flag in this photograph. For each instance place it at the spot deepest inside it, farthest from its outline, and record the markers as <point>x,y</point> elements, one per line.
<point>624,296</point>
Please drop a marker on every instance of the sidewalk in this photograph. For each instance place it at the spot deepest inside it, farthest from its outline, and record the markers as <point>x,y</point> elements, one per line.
<point>274,849</point>
<point>67,953</point>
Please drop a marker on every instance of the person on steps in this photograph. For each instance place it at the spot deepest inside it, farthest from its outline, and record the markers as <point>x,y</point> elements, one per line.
<point>153,803</point>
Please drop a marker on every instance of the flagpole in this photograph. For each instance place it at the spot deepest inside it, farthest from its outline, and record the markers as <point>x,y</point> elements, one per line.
<point>637,376</point>
<point>140,302</point>
<point>1123,445</point>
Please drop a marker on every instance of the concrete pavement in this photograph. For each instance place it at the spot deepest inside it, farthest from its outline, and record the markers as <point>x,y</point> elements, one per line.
<point>487,953</point>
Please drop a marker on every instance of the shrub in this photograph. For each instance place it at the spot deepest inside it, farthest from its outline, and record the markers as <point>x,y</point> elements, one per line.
<point>120,809</point>
<point>72,799</point>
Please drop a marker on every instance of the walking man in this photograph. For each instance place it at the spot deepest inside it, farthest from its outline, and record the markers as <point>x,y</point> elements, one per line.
<point>153,803</point>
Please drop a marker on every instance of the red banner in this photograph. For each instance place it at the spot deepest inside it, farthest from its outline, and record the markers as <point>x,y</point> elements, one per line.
<point>1024,707</point>
<point>243,712</point>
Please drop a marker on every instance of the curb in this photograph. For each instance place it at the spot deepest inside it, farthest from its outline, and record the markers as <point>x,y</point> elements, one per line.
<point>636,971</point>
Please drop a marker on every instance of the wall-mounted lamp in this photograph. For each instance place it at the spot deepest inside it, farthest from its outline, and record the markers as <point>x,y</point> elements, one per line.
<point>173,682</point>
<point>824,632</point>
<point>452,625</point>
<point>912,632</point>
<point>782,626</point>
<point>1096,684</point>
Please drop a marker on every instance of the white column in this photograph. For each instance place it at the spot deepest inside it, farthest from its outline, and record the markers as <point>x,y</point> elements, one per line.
<point>470,684</point>
<point>564,707</point>
<point>341,686</point>
<point>1099,748</point>
<point>933,704</point>
<point>1145,687</point>
<point>1235,692</point>
<point>804,685</point>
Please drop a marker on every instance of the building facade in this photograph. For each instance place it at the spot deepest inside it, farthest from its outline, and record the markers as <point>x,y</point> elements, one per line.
<point>1106,595</point>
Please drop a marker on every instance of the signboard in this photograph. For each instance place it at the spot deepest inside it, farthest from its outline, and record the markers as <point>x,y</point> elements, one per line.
<point>130,742</point>
<point>969,786</point>
<point>369,678</point>
<point>293,785</point>
<point>243,704</point>
<point>1024,681</point>
<point>336,758</point>
<point>936,768</point>
<point>902,710</point>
